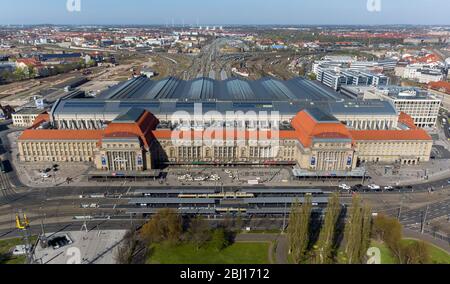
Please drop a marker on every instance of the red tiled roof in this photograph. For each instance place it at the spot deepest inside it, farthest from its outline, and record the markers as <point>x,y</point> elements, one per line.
<point>407,120</point>
<point>440,86</point>
<point>30,62</point>
<point>50,134</point>
<point>307,128</point>
<point>143,128</point>
<point>391,135</point>
<point>44,117</point>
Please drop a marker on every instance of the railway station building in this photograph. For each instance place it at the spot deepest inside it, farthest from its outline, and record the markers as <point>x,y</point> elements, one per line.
<point>314,131</point>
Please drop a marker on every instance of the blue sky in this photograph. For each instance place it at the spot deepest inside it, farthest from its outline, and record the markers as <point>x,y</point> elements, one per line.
<point>223,12</point>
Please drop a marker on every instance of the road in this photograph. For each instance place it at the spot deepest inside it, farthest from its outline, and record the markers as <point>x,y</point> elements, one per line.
<point>445,126</point>
<point>433,211</point>
<point>59,205</point>
<point>68,227</point>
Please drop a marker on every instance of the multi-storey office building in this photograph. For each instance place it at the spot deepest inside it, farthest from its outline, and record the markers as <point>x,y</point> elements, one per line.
<point>337,78</point>
<point>422,106</point>
<point>423,73</point>
<point>26,117</point>
<point>419,104</point>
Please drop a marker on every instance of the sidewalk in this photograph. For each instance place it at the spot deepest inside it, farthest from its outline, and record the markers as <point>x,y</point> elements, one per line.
<point>435,170</point>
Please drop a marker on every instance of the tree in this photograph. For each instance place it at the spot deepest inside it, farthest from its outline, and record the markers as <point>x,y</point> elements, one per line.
<point>32,72</point>
<point>165,225</point>
<point>227,222</point>
<point>127,249</point>
<point>20,73</point>
<point>415,253</point>
<point>199,231</point>
<point>357,231</point>
<point>239,223</point>
<point>219,240</point>
<point>91,63</point>
<point>298,229</point>
<point>390,231</point>
<point>324,246</point>
<point>312,76</point>
<point>366,231</point>
<point>301,71</point>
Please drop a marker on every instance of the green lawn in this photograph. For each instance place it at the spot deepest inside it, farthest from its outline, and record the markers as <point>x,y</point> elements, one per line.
<point>438,256</point>
<point>238,253</point>
<point>6,246</point>
<point>386,255</point>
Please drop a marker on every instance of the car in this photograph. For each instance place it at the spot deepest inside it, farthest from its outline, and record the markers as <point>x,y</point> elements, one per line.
<point>20,250</point>
<point>388,188</point>
<point>345,187</point>
<point>448,181</point>
<point>358,187</point>
<point>45,175</point>
<point>374,187</point>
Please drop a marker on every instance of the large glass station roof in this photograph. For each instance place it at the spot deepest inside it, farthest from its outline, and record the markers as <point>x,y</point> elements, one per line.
<point>268,94</point>
<point>203,89</point>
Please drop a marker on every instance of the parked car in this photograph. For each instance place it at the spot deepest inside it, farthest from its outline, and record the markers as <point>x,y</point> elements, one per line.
<point>345,187</point>
<point>374,187</point>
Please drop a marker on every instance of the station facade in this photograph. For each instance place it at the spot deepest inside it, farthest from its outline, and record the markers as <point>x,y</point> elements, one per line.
<point>316,142</point>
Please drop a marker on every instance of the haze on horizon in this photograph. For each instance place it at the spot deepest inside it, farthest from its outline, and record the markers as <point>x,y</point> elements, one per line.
<point>226,12</point>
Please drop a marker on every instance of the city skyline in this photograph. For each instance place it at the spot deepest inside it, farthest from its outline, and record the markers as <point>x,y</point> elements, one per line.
<point>251,12</point>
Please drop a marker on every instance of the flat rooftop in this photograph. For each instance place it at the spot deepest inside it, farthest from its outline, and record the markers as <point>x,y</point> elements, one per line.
<point>206,89</point>
<point>167,96</point>
<point>30,111</point>
<point>406,93</point>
